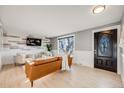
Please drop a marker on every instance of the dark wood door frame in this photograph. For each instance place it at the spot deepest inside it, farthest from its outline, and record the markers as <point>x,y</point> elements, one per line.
<point>118,49</point>
<point>105,50</point>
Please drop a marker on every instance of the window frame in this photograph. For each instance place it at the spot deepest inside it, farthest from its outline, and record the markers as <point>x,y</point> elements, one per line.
<point>65,36</point>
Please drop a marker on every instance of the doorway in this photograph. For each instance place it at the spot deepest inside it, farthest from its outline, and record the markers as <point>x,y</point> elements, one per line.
<point>105,50</point>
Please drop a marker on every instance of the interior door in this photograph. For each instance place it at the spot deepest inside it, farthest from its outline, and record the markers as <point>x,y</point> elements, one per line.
<point>105,50</point>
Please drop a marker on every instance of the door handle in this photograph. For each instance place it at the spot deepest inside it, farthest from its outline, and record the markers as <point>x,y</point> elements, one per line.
<point>94,51</point>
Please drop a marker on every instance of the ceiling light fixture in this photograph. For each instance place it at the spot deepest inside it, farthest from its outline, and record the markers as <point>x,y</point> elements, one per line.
<point>98,9</point>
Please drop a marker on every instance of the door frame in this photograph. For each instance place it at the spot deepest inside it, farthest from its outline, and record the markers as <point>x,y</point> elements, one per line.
<point>118,40</point>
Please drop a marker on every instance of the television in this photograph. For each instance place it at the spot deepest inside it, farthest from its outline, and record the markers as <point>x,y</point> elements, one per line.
<point>33,42</point>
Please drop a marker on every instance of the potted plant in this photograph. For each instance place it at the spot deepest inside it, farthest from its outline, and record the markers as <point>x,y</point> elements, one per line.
<point>49,48</point>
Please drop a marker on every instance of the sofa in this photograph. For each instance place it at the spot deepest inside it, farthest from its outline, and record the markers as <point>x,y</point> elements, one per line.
<point>42,67</point>
<point>19,59</point>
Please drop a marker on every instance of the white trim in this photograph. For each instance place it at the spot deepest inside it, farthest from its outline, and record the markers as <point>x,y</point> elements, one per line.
<point>64,37</point>
<point>118,49</point>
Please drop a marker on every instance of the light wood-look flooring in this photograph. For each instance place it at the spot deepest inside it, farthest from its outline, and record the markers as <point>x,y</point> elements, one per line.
<point>79,77</point>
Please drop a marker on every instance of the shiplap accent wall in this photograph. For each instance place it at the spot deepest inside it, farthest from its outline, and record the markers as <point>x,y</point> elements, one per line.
<point>15,42</point>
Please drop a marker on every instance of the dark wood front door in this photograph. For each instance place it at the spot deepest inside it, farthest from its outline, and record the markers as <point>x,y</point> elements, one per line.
<point>105,50</point>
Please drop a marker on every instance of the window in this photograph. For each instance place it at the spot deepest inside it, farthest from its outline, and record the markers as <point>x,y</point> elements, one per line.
<point>66,44</point>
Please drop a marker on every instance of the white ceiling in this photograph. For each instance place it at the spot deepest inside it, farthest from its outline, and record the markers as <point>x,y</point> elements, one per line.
<point>53,21</point>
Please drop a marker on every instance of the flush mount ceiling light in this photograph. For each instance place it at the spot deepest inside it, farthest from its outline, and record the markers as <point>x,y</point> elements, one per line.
<point>98,9</point>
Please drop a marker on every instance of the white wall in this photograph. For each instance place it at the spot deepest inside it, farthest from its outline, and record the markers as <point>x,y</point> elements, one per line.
<point>83,58</point>
<point>1,37</point>
<point>83,48</point>
<point>122,50</point>
<point>122,33</point>
<point>0,43</point>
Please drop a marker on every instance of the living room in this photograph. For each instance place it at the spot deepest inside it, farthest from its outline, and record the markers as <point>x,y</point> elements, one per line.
<point>61,42</point>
